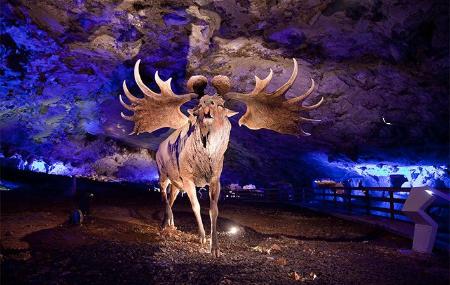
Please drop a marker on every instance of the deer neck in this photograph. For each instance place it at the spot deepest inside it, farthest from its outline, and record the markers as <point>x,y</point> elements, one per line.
<point>212,140</point>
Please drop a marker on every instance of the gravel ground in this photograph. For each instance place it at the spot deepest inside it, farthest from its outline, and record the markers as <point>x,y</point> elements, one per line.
<point>121,243</point>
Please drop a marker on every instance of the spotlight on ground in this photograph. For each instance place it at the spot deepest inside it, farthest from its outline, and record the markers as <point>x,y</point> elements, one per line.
<point>233,230</point>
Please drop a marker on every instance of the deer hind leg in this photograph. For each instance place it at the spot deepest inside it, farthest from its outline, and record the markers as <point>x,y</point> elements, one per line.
<point>192,194</point>
<point>168,211</point>
<point>214,193</point>
<point>173,195</point>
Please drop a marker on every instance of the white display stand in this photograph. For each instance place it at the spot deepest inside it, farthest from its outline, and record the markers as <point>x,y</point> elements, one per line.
<point>425,227</point>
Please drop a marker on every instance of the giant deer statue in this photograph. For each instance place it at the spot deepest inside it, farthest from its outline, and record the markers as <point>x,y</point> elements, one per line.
<point>193,154</point>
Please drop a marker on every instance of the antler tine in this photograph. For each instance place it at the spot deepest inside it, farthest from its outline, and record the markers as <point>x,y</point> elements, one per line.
<point>303,96</point>
<point>285,87</point>
<point>309,119</point>
<point>302,131</point>
<point>166,89</point>
<point>126,106</point>
<point>137,77</point>
<point>312,107</point>
<point>129,95</point>
<point>261,84</point>
<point>128,118</point>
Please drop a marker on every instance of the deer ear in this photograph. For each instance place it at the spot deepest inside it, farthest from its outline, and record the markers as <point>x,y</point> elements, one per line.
<point>231,113</point>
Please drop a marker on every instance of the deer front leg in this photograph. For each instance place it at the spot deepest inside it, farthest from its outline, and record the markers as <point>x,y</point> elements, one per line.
<point>173,195</point>
<point>168,216</point>
<point>192,194</point>
<point>214,193</point>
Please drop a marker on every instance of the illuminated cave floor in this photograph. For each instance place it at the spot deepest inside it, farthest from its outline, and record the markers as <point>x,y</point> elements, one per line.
<point>122,244</point>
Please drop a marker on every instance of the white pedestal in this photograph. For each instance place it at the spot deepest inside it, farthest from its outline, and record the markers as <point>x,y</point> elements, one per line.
<point>424,237</point>
<point>425,228</point>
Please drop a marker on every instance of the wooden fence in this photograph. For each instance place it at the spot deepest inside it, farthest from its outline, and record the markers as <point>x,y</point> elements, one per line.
<point>367,199</point>
<point>378,201</point>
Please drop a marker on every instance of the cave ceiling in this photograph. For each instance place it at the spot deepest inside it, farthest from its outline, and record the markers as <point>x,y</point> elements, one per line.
<point>381,66</point>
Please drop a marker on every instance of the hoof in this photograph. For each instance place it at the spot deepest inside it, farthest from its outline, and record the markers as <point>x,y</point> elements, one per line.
<point>164,225</point>
<point>202,240</point>
<point>168,228</point>
<point>215,252</point>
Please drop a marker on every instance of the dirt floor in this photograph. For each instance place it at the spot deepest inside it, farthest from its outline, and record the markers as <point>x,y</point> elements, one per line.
<point>121,243</point>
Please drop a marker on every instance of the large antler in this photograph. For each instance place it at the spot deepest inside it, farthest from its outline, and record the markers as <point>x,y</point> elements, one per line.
<point>155,111</point>
<point>272,110</point>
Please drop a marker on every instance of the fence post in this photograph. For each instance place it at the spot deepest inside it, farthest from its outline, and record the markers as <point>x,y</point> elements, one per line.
<point>366,193</point>
<point>349,200</point>
<point>334,198</point>
<point>391,204</point>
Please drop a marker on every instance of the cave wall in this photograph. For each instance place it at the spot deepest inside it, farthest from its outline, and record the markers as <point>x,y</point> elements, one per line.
<point>382,67</point>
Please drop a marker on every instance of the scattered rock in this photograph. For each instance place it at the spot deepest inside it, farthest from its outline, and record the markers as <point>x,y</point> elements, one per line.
<point>294,275</point>
<point>275,248</point>
<point>257,248</point>
<point>302,277</point>
<point>281,261</point>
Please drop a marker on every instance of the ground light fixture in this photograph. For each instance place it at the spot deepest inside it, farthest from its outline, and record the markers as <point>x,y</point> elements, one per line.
<point>233,230</point>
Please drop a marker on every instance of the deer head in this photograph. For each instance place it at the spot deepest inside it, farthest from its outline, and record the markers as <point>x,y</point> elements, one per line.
<point>211,116</point>
<point>264,110</point>
<point>211,111</point>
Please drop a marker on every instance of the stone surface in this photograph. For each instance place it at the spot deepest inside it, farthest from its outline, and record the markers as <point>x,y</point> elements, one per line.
<point>382,67</point>
<point>121,243</point>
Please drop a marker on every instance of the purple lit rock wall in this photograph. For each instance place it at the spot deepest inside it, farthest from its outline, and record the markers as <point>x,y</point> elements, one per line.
<point>63,63</point>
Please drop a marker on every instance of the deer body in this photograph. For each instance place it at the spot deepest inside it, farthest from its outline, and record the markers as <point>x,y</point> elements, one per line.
<point>192,156</point>
<point>186,154</point>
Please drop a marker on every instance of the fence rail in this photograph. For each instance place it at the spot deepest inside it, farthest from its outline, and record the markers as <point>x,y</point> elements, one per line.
<point>353,200</point>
